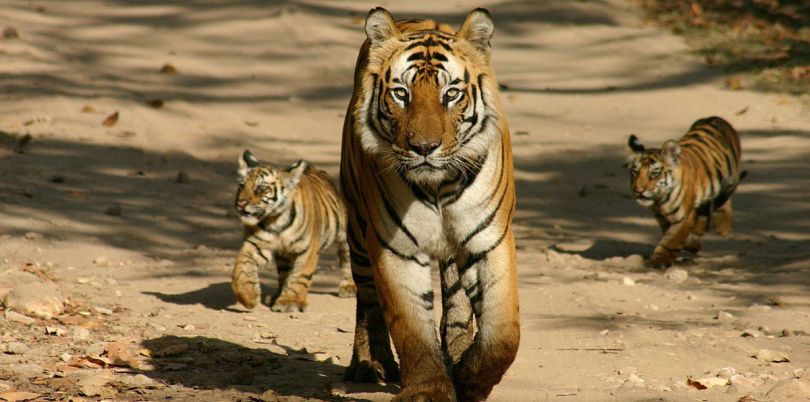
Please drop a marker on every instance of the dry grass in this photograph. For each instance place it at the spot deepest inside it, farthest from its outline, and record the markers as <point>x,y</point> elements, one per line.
<point>763,44</point>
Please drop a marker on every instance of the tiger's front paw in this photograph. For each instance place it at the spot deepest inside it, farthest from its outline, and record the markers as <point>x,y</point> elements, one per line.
<point>247,293</point>
<point>288,304</point>
<point>374,372</point>
<point>439,390</point>
<point>347,288</point>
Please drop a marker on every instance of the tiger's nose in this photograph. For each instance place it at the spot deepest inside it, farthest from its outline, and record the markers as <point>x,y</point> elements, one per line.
<point>423,148</point>
<point>241,204</point>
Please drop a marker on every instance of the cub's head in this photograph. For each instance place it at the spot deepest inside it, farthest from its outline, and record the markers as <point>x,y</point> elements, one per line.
<point>265,191</point>
<point>429,99</point>
<point>653,172</point>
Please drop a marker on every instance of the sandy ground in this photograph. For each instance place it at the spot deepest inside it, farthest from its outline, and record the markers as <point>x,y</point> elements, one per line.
<point>275,77</point>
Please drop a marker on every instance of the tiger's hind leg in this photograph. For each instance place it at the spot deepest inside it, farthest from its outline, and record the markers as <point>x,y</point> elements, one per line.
<point>721,219</point>
<point>245,276</point>
<point>295,286</point>
<point>346,287</point>
<point>457,325</point>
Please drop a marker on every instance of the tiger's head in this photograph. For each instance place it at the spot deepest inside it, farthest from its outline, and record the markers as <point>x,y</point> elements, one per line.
<point>429,99</point>
<point>265,191</point>
<point>653,172</point>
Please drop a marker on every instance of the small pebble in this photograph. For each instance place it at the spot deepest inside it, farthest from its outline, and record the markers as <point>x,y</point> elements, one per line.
<point>114,210</point>
<point>627,281</point>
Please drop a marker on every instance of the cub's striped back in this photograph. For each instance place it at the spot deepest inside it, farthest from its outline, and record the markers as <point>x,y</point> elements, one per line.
<point>688,184</point>
<point>290,216</point>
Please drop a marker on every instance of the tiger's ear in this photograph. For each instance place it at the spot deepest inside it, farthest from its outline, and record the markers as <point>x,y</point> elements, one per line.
<point>477,29</point>
<point>671,153</point>
<point>246,161</point>
<point>294,173</point>
<point>380,26</point>
<point>634,148</point>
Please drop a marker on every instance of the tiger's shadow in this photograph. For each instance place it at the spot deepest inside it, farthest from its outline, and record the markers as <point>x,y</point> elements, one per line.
<point>219,296</point>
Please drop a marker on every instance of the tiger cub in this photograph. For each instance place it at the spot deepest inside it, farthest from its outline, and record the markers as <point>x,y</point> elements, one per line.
<point>290,215</point>
<point>687,184</point>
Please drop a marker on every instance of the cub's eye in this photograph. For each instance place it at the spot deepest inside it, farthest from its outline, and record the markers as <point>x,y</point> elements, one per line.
<point>654,174</point>
<point>400,93</point>
<point>451,94</point>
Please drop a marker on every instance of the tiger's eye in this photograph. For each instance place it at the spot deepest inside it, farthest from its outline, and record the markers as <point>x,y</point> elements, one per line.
<point>452,93</point>
<point>400,93</point>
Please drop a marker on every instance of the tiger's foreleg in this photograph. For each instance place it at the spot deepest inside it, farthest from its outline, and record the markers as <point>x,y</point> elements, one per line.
<point>293,294</point>
<point>457,327</point>
<point>245,275</point>
<point>372,358</point>
<point>346,288</point>
<point>490,281</point>
<point>672,242</point>
<point>406,296</point>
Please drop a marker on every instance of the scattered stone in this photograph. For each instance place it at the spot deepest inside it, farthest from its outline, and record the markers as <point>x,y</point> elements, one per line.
<point>103,310</point>
<point>790,390</point>
<point>25,370</point>
<point>741,381</point>
<point>604,332</point>
<point>188,327</point>
<point>333,360</point>
<point>65,357</point>
<point>114,210</point>
<point>676,275</point>
<point>776,300</point>
<point>723,316</point>
<point>635,380</point>
<point>772,356</point>
<point>33,236</point>
<point>38,299</point>
<point>708,382</point>
<point>269,396</point>
<point>760,308</point>
<point>79,333</point>
<point>16,348</point>
<point>19,318</point>
<point>100,260</point>
<point>267,335</point>
<point>156,326</point>
<point>752,333</point>
<point>627,281</point>
<point>576,246</point>
<point>139,381</point>
<point>55,331</point>
<point>168,69</point>
<point>182,177</point>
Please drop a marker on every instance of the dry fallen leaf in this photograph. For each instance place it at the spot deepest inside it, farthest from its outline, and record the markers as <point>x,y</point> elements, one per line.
<point>14,396</point>
<point>168,69</point>
<point>156,103</point>
<point>695,384</point>
<point>734,83</point>
<point>110,120</point>
<point>10,33</point>
<point>741,111</point>
<point>88,109</point>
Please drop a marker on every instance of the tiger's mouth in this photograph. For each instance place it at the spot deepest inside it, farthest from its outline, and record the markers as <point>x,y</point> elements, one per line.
<point>644,200</point>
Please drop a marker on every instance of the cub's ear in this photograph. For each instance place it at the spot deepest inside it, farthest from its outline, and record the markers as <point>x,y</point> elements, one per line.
<point>294,173</point>
<point>633,145</point>
<point>380,26</point>
<point>246,161</point>
<point>477,29</point>
<point>671,153</point>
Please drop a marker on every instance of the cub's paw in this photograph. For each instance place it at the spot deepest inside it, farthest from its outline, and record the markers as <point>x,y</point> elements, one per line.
<point>289,305</point>
<point>347,288</point>
<point>372,372</point>
<point>660,261</point>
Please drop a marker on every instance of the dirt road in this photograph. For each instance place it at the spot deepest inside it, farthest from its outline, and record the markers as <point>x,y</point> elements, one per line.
<point>144,258</point>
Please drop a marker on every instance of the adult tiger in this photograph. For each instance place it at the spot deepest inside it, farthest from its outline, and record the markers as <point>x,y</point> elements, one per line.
<point>290,215</point>
<point>427,174</point>
<point>688,185</point>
